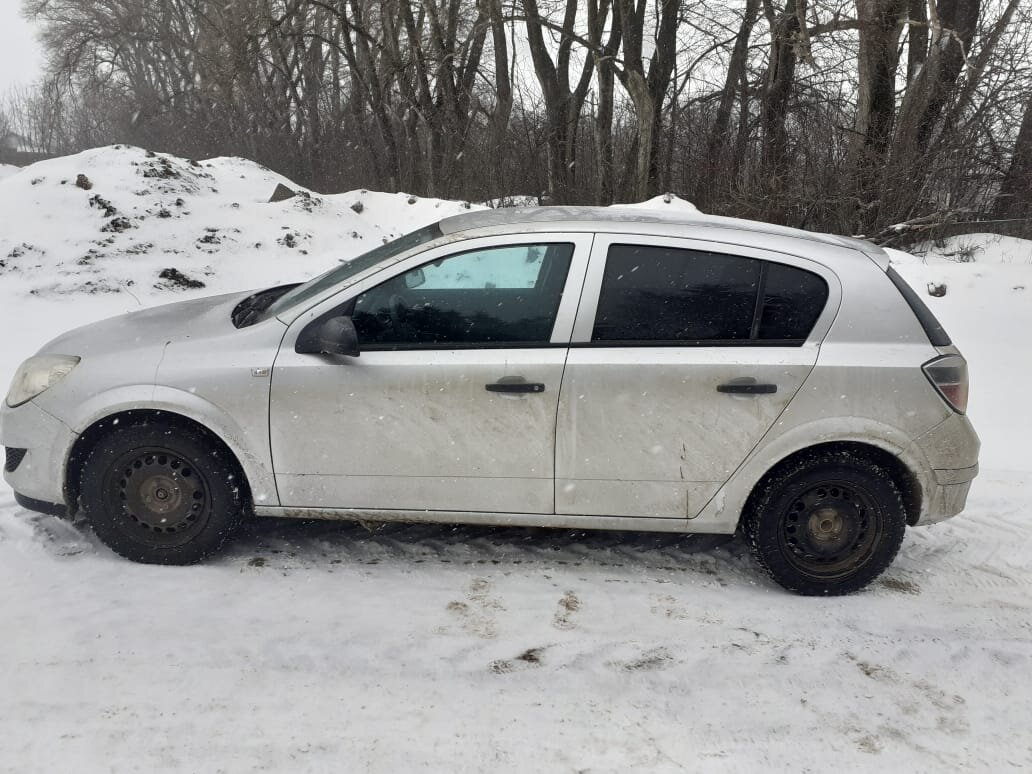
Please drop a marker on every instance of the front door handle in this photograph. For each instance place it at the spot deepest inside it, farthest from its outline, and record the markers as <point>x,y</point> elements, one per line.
<point>514,384</point>
<point>747,388</point>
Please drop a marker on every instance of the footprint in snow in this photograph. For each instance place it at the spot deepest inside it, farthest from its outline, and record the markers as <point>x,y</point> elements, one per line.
<point>567,606</point>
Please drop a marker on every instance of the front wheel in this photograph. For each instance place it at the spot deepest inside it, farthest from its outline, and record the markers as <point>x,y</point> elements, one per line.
<point>159,494</point>
<point>828,525</point>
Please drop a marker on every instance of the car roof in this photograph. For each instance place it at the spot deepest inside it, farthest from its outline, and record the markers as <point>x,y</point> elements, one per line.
<point>631,219</point>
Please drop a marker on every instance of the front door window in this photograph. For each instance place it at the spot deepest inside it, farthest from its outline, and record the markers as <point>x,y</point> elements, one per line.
<point>498,296</point>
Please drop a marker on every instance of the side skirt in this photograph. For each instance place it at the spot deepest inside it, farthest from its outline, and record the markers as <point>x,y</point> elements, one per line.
<point>561,521</point>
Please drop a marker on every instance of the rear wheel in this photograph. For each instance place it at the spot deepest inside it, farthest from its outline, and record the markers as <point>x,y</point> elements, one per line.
<point>160,494</point>
<point>828,525</point>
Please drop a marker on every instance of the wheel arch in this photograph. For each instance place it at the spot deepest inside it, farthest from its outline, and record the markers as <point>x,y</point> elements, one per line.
<point>87,441</point>
<point>905,479</point>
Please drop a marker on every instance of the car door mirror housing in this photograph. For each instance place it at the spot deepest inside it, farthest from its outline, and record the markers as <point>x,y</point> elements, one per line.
<point>332,336</point>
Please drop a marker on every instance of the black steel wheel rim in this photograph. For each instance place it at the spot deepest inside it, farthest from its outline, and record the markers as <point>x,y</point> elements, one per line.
<point>830,529</point>
<point>162,499</point>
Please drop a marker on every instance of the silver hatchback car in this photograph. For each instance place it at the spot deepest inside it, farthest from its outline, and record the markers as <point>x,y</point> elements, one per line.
<point>565,367</point>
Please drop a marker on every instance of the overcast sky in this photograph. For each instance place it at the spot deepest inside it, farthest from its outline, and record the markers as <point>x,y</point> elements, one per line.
<point>19,52</point>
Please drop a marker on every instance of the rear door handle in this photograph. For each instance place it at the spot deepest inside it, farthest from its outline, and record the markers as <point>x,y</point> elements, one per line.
<point>515,387</point>
<point>747,388</point>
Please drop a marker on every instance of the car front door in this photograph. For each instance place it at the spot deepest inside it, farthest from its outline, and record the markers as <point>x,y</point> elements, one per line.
<point>451,404</point>
<point>683,355</point>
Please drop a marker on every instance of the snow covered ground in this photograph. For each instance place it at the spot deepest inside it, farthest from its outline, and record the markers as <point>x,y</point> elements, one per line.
<point>323,647</point>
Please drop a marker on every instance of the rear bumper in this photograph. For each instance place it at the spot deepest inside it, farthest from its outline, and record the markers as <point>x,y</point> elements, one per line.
<point>949,494</point>
<point>39,474</point>
<point>953,476</point>
<point>951,449</point>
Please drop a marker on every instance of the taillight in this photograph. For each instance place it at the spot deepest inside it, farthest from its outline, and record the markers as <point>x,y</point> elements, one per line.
<point>948,374</point>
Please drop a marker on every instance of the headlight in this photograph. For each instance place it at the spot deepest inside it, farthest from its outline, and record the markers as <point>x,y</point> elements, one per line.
<point>38,374</point>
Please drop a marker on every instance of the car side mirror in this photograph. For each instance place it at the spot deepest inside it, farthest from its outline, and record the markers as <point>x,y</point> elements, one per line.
<point>333,336</point>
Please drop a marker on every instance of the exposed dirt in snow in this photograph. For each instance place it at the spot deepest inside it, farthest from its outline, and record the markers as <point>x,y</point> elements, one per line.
<point>326,647</point>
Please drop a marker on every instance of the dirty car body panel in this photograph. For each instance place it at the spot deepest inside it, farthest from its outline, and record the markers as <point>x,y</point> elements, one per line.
<point>555,366</point>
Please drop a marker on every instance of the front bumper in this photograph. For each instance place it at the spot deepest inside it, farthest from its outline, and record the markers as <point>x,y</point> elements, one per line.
<point>47,440</point>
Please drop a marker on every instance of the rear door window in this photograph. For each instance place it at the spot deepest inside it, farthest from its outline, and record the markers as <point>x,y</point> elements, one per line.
<point>673,295</point>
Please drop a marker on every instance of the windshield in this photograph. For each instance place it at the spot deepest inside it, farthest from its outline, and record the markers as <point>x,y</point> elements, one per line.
<point>349,269</point>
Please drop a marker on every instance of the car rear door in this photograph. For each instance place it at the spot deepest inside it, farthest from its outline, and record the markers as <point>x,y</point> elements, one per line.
<point>451,404</point>
<point>684,353</point>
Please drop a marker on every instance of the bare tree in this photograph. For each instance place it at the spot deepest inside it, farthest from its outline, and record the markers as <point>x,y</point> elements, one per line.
<point>563,99</point>
<point>1014,199</point>
<point>647,89</point>
<point>722,156</point>
<point>777,87</point>
<point>797,111</point>
<point>881,25</point>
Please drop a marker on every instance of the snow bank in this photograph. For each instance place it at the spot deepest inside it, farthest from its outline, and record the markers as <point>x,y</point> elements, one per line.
<point>512,201</point>
<point>6,170</point>
<point>111,219</point>
<point>974,248</point>
<point>669,203</point>
<point>987,310</point>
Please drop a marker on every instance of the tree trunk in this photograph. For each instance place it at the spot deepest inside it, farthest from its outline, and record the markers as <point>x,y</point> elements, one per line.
<point>906,172</point>
<point>563,105</point>
<point>1014,199</point>
<point>917,46</point>
<point>554,98</point>
<point>881,24</point>
<point>604,133</point>
<point>777,91</point>
<point>603,54</point>
<point>644,109</point>
<point>661,69</point>
<point>928,92</point>
<point>713,168</point>
<point>503,87</point>
<point>647,91</point>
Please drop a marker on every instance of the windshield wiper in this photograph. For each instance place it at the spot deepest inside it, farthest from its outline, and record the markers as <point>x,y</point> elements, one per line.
<point>249,311</point>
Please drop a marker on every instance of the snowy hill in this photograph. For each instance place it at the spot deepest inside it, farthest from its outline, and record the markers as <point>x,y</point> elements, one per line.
<point>111,219</point>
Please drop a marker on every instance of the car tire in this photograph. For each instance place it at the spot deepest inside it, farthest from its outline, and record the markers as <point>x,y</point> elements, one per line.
<point>159,494</point>
<point>826,525</point>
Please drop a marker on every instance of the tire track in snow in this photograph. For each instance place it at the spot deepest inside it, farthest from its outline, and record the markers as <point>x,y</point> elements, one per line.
<point>981,550</point>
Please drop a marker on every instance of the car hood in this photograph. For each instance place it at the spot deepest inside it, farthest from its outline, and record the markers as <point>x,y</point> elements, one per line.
<point>150,328</point>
